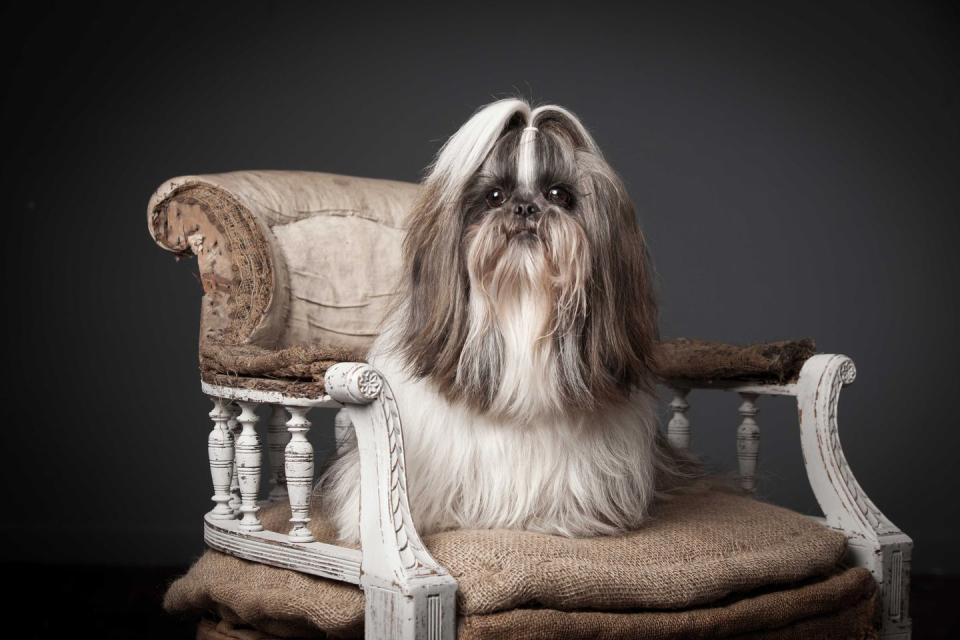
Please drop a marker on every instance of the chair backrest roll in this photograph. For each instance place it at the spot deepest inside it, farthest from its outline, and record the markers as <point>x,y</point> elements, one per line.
<point>287,257</point>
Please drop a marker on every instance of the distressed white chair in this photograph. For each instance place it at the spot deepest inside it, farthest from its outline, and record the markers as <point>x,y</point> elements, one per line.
<point>282,256</point>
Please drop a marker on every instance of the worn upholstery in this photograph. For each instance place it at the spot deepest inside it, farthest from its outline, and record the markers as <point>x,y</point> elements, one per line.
<point>298,269</point>
<point>286,257</point>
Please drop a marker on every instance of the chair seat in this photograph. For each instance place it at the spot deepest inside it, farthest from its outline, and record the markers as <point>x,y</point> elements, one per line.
<point>708,564</point>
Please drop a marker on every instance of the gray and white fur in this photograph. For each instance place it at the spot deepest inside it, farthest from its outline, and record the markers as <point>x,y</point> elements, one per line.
<point>519,348</point>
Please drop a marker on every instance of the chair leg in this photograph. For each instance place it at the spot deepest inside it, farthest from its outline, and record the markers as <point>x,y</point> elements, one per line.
<point>426,614</point>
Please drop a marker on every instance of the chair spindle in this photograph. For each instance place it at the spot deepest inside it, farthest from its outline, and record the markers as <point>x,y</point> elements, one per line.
<point>249,461</point>
<point>678,429</point>
<point>748,442</point>
<point>277,439</point>
<point>220,452</point>
<point>235,428</point>
<point>299,470</point>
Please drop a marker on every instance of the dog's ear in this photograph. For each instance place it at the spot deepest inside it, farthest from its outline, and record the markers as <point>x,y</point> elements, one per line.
<point>434,323</point>
<point>621,328</point>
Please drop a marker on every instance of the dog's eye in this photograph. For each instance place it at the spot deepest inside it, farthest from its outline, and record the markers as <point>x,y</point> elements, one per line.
<point>496,197</point>
<point>559,196</point>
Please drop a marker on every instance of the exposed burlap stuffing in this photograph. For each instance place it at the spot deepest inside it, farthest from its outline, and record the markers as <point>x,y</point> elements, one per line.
<point>304,361</point>
<point>703,361</point>
<point>238,264</point>
<point>697,549</point>
<point>299,370</point>
<point>296,371</point>
<point>292,388</point>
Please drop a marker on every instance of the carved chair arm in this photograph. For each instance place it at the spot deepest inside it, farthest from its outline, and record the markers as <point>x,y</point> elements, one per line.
<point>873,541</point>
<point>398,573</point>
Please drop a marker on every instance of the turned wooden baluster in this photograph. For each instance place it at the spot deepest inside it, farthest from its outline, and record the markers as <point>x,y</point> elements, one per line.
<point>298,464</point>
<point>678,429</point>
<point>249,460</point>
<point>277,439</point>
<point>220,452</point>
<point>748,442</point>
<point>235,429</point>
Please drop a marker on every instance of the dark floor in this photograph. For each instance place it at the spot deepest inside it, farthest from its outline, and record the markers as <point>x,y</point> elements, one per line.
<point>124,602</point>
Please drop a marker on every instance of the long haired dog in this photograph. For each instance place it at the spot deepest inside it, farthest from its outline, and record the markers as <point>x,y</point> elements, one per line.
<point>519,347</point>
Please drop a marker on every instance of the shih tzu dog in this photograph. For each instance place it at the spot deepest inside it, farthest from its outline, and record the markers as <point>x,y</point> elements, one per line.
<point>519,348</point>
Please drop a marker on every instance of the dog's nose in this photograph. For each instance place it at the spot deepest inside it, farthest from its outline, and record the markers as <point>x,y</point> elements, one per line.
<point>526,209</point>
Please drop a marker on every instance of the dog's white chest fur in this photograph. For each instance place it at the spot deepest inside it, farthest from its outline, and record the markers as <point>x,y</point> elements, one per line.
<point>528,386</point>
<point>577,476</point>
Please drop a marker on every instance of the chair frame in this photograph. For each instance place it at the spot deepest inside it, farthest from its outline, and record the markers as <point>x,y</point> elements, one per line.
<point>408,595</point>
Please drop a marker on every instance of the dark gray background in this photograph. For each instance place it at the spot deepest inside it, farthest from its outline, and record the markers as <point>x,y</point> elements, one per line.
<point>795,168</point>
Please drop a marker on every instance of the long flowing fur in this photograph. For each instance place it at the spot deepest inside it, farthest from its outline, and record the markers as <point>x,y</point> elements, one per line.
<point>519,345</point>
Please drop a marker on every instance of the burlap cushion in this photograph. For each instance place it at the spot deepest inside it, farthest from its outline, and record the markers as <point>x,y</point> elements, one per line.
<point>840,607</point>
<point>697,550</point>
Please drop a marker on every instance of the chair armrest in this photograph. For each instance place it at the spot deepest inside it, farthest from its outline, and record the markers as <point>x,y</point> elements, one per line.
<point>408,593</point>
<point>690,363</point>
<point>227,221</point>
<point>874,541</point>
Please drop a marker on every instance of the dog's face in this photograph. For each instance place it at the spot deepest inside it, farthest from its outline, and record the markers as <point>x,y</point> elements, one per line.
<point>528,289</point>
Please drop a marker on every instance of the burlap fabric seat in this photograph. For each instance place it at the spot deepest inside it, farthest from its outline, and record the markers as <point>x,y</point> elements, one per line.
<point>713,564</point>
<point>297,269</point>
